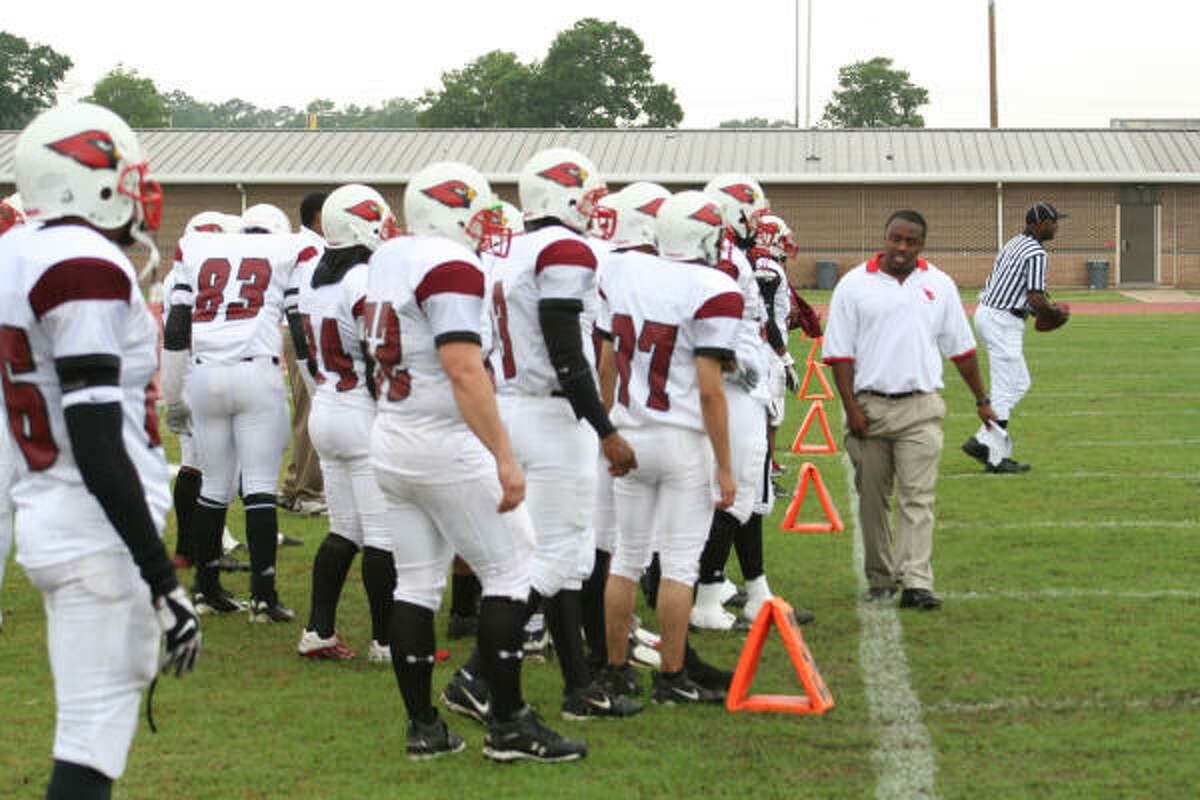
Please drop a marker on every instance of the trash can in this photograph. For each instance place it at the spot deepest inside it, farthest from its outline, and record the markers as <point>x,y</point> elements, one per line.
<point>826,274</point>
<point>1097,272</point>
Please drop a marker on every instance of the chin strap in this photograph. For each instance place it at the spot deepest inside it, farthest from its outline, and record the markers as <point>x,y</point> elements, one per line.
<point>140,236</point>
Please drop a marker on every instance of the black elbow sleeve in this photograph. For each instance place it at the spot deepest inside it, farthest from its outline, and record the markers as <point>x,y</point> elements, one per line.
<point>177,331</point>
<point>564,343</point>
<point>299,340</point>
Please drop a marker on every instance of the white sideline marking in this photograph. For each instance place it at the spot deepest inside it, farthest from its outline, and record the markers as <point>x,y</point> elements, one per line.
<point>903,754</point>
<point>1166,703</point>
<point>1074,523</point>
<point>1067,594</point>
<point>1141,476</point>
<point>1138,443</point>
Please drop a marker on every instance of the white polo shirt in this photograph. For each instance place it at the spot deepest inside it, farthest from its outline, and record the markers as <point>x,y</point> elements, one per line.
<point>896,333</point>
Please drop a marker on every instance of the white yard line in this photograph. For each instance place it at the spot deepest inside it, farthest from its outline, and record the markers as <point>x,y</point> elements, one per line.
<point>1178,524</point>
<point>903,753</point>
<point>1061,476</point>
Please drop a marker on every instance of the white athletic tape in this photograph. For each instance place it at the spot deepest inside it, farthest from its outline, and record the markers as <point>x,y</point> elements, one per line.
<point>903,754</point>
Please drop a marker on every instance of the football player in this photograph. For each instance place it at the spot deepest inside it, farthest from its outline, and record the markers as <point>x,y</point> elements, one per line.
<point>672,325</point>
<point>79,351</point>
<point>443,457</point>
<point>773,247</point>
<point>11,215</point>
<point>356,221</point>
<point>543,299</point>
<point>226,311</point>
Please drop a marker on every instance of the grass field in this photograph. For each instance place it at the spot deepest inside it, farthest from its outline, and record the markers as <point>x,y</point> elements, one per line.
<point>1063,665</point>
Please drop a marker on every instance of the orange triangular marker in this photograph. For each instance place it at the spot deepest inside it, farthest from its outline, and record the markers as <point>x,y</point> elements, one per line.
<point>816,698</point>
<point>812,350</point>
<point>818,369</point>
<point>816,412</point>
<point>808,471</point>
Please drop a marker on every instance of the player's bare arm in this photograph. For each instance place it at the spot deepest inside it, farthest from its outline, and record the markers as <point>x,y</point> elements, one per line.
<point>716,423</point>
<point>843,377</point>
<point>477,402</point>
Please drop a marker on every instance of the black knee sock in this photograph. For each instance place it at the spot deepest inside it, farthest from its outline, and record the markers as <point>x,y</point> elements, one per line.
<point>749,543</point>
<point>379,579</point>
<point>329,569</point>
<point>716,549</point>
<point>501,648</point>
<point>1003,423</point>
<point>184,494</point>
<point>412,640</point>
<point>649,581</point>
<point>70,781</point>
<point>563,620</point>
<point>208,522</point>
<point>464,595</point>
<point>591,600</point>
<point>262,526</point>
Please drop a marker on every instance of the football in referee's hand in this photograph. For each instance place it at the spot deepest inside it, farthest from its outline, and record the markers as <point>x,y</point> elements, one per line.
<point>1052,317</point>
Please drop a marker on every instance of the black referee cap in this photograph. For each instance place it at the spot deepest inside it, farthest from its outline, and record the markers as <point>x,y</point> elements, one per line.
<point>1042,211</point>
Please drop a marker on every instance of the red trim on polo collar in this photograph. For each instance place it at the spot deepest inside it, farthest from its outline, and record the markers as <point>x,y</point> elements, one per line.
<point>873,263</point>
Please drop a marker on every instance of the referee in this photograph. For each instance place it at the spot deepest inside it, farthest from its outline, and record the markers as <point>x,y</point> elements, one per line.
<point>1015,290</point>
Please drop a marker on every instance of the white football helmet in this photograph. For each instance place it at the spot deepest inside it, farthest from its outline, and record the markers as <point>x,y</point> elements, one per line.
<point>355,214</point>
<point>265,218</point>
<point>742,202</point>
<point>563,183</point>
<point>775,235</point>
<point>452,199</point>
<point>512,217</point>
<point>82,160</point>
<point>213,222</point>
<point>12,213</point>
<point>690,227</point>
<point>635,209</point>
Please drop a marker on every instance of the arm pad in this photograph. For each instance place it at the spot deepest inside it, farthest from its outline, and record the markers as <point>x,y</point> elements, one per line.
<point>99,450</point>
<point>177,330</point>
<point>559,321</point>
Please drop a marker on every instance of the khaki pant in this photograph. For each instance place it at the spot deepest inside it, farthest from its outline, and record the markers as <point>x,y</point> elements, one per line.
<point>303,480</point>
<point>900,454</point>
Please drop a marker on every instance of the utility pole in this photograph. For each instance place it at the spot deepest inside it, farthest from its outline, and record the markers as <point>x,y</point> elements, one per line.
<point>796,64</point>
<point>808,66</point>
<point>995,103</point>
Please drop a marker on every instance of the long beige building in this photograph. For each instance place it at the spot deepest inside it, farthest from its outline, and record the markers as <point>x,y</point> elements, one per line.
<point>1133,195</point>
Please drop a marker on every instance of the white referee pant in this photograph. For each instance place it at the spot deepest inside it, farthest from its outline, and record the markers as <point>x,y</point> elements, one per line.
<point>1003,336</point>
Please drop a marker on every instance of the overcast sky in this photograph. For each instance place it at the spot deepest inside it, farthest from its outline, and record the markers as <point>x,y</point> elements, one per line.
<point>1062,63</point>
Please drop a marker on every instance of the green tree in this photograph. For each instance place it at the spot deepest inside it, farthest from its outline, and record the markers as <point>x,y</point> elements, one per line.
<point>188,112</point>
<point>133,98</point>
<point>754,122</point>
<point>597,75</point>
<point>398,112</point>
<point>493,91</point>
<point>29,78</point>
<point>872,94</point>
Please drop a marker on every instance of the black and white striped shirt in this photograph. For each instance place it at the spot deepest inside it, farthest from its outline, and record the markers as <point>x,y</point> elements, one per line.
<point>1020,268</point>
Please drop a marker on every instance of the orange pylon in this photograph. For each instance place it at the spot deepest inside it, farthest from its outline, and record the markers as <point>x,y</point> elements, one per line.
<point>812,350</point>
<point>818,369</point>
<point>808,472</point>
<point>817,411</point>
<point>816,698</point>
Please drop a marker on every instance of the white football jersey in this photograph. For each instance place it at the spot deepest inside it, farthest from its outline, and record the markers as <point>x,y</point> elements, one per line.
<point>68,291</point>
<point>332,315</point>
<point>751,350</point>
<point>781,305</point>
<point>235,285</point>
<point>552,263</point>
<point>421,292</point>
<point>660,315</point>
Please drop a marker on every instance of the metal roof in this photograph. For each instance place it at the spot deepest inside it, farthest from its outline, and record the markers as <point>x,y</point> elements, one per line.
<point>778,155</point>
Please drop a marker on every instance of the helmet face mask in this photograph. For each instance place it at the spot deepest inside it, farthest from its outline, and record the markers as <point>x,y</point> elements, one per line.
<point>82,160</point>
<point>355,214</point>
<point>563,184</point>
<point>774,234</point>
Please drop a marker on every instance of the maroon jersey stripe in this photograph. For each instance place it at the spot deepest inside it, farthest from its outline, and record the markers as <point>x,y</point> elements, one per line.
<point>726,304</point>
<point>459,277</point>
<point>78,279</point>
<point>306,254</point>
<point>565,253</point>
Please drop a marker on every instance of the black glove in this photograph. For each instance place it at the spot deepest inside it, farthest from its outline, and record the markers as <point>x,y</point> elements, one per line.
<point>177,618</point>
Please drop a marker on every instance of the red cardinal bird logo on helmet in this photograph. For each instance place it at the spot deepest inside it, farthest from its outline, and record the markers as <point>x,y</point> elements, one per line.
<point>708,214</point>
<point>742,192</point>
<point>565,174</point>
<point>651,209</point>
<point>452,193</point>
<point>366,209</point>
<point>93,149</point>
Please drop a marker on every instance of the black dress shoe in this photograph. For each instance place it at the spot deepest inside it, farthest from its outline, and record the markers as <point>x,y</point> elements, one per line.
<point>976,450</point>
<point>1007,467</point>
<point>920,598</point>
